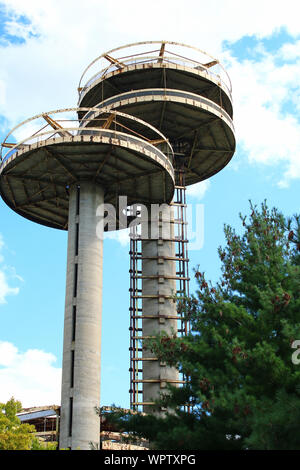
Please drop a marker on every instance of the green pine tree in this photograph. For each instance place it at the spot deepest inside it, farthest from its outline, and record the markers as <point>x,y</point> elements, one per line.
<point>243,384</point>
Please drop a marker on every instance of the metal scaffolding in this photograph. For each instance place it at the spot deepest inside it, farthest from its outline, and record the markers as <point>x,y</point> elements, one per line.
<point>136,297</point>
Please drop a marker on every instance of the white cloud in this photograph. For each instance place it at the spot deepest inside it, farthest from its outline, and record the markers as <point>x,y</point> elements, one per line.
<point>266,119</point>
<point>29,376</point>
<point>122,236</point>
<point>1,242</point>
<point>7,274</point>
<point>5,289</point>
<point>198,190</point>
<point>21,31</point>
<point>67,36</point>
<point>290,51</point>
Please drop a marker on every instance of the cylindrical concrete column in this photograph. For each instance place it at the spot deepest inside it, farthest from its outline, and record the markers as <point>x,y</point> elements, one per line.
<point>158,291</point>
<point>79,424</point>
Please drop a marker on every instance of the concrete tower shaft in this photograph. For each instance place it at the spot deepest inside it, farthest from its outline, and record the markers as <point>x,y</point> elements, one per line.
<point>82,330</point>
<point>158,303</point>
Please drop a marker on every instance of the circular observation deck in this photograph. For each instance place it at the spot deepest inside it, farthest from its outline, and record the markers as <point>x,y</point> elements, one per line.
<point>37,171</point>
<point>155,64</point>
<point>189,102</point>
<point>200,131</point>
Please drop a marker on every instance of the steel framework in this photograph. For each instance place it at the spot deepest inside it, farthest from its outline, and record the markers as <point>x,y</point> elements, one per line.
<point>182,291</point>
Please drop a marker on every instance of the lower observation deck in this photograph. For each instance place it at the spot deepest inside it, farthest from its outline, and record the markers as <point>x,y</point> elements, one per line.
<point>36,173</point>
<point>198,129</point>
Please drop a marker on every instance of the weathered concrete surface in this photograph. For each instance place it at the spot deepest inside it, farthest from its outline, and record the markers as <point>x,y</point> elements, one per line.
<point>158,289</point>
<point>80,425</point>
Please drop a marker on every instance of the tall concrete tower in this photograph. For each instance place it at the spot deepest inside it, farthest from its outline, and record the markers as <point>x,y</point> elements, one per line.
<point>153,117</point>
<point>186,94</point>
<point>66,175</point>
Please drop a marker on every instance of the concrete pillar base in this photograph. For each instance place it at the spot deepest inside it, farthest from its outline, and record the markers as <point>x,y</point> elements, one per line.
<point>79,424</point>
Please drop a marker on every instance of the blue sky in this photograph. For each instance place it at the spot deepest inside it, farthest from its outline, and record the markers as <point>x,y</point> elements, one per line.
<point>44,48</point>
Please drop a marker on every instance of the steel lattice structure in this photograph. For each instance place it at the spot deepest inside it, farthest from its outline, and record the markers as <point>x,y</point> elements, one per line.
<point>137,317</point>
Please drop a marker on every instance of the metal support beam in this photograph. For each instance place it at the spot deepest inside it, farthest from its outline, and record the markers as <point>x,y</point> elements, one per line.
<point>158,270</point>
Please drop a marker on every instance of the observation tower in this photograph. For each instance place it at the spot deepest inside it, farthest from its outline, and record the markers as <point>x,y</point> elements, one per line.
<point>186,94</point>
<point>62,173</point>
<point>152,118</point>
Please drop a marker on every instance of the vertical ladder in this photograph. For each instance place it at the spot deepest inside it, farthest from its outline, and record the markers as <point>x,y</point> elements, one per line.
<point>182,290</point>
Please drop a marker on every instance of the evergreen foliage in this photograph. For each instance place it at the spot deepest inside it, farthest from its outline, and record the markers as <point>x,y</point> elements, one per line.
<point>243,387</point>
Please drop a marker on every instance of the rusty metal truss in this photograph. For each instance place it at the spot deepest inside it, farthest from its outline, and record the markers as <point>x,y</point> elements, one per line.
<point>182,291</point>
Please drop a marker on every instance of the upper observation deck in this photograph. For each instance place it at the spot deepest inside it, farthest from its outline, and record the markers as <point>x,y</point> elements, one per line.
<point>187,99</point>
<point>54,150</point>
<point>155,64</point>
